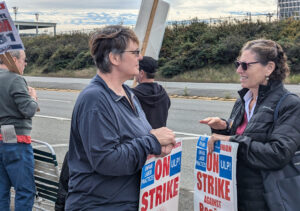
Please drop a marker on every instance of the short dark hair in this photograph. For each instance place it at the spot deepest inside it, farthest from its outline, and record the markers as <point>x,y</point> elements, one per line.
<point>150,75</point>
<point>110,39</point>
<point>149,66</point>
<point>15,53</point>
<point>266,51</point>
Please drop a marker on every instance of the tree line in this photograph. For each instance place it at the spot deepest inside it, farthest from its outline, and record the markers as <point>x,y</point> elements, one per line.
<point>185,46</point>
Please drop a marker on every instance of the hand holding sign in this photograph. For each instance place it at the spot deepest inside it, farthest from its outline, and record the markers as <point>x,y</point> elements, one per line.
<point>213,138</point>
<point>164,135</point>
<point>9,39</point>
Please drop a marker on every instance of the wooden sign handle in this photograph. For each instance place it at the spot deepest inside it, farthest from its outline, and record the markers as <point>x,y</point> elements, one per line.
<point>147,35</point>
<point>149,26</point>
<point>9,62</point>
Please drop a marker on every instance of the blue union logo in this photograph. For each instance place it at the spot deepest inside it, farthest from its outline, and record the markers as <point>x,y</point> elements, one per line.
<point>201,160</point>
<point>226,167</point>
<point>148,175</point>
<point>175,164</point>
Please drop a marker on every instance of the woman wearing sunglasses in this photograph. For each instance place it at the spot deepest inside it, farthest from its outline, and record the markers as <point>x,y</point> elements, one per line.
<point>263,144</point>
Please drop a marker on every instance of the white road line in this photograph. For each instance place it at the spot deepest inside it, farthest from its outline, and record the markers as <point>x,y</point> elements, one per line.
<point>62,101</point>
<point>53,117</point>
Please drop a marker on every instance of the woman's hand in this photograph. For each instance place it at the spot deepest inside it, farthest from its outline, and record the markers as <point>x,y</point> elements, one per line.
<point>165,150</point>
<point>215,137</point>
<point>215,123</point>
<point>32,92</point>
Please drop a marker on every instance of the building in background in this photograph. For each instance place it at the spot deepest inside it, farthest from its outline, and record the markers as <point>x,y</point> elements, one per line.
<point>288,8</point>
<point>27,25</point>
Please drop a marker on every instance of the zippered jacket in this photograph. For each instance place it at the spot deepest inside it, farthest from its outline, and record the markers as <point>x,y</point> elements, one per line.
<point>109,144</point>
<point>262,146</point>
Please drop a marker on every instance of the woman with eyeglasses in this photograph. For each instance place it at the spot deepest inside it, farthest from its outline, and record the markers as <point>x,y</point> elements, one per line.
<point>263,144</point>
<point>110,137</point>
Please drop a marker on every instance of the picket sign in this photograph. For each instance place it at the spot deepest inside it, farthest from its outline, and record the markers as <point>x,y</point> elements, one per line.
<point>160,181</point>
<point>9,39</point>
<point>150,27</point>
<point>215,176</point>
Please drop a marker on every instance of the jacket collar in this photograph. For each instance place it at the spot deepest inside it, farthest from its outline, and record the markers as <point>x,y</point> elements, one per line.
<point>99,81</point>
<point>263,90</point>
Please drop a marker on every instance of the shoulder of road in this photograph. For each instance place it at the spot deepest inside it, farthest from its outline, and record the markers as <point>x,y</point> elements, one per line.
<point>188,90</point>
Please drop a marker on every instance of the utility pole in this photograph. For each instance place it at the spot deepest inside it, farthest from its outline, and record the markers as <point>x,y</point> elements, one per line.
<point>37,22</point>
<point>269,15</point>
<point>15,11</point>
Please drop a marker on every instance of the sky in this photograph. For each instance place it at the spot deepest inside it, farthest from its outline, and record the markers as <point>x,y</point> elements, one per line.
<point>89,14</point>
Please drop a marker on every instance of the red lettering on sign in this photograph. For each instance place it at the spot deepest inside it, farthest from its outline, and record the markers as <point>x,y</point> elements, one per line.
<point>213,185</point>
<point>213,162</point>
<point>2,6</point>
<point>5,26</point>
<point>158,198</point>
<point>158,169</point>
<point>203,208</point>
<point>144,201</point>
<point>166,170</point>
<point>226,148</point>
<point>159,193</point>
<point>213,202</point>
<point>162,169</point>
<point>151,193</point>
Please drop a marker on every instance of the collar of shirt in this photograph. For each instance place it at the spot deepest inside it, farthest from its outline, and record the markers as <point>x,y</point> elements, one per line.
<point>114,96</point>
<point>247,99</point>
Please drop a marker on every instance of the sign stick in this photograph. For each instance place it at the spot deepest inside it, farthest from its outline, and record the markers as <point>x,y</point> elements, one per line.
<point>146,38</point>
<point>9,62</point>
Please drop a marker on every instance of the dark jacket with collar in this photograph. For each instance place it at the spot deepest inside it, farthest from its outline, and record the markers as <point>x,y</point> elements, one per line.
<point>109,144</point>
<point>262,146</point>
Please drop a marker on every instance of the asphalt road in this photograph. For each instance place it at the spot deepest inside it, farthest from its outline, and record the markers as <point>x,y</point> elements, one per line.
<point>52,124</point>
<point>227,90</point>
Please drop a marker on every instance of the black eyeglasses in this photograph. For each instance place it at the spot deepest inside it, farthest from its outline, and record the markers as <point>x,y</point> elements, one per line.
<point>136,52</point>
<point>243,64</point>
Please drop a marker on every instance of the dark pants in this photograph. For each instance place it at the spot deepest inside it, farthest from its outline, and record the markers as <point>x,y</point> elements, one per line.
<point>16,169</point>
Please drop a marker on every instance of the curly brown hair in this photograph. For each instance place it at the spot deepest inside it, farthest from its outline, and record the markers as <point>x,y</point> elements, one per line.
<point>266,51</point>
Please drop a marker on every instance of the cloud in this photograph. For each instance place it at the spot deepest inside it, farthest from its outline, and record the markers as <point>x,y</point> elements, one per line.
<point>216,8</point>
<point>75,4</point>
<point>92,13</point>
<point>103,18</point>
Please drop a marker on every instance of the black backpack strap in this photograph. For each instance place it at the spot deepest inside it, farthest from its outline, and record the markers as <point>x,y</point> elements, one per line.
<point>279,103</point>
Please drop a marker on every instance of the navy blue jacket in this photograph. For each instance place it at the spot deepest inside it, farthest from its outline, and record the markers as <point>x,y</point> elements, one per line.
<point>109,144</point>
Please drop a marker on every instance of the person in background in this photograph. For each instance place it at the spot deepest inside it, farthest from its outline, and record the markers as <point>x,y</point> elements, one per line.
<point>17,107</point>
<point>110,136</point>
<point>152,96</point>
<point>62,186</point>
<point>263,143</point>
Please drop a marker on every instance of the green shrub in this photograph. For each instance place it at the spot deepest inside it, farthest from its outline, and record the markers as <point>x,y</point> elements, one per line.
<point>186,46</point>
<point>61,58</point>
<point>82,60</point>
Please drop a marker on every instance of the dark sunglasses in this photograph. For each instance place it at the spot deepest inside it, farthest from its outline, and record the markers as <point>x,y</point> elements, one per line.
<point>136,52</point>
<point>243,64</point>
